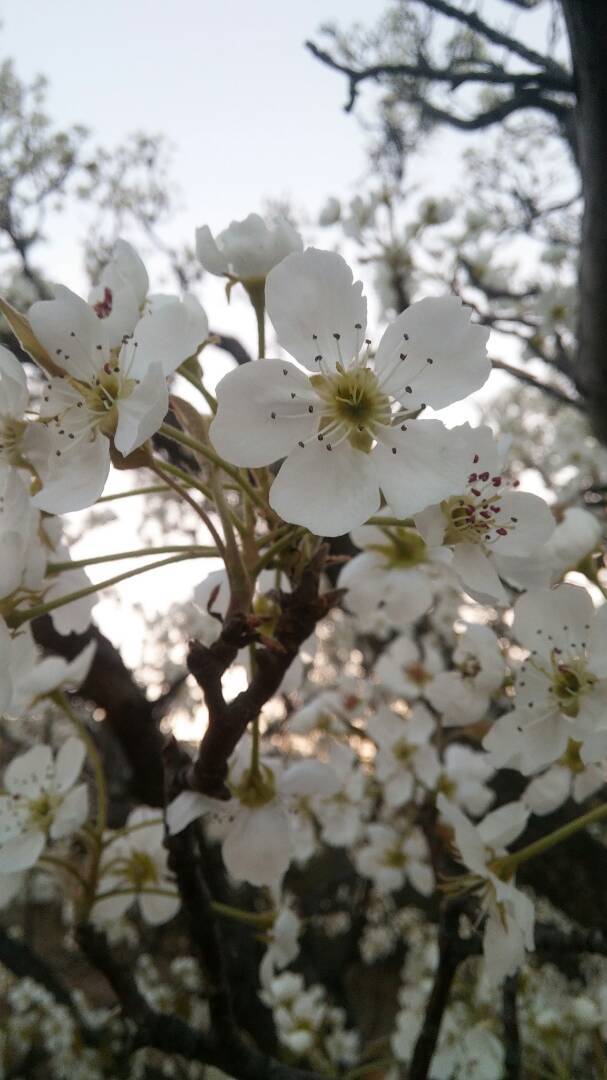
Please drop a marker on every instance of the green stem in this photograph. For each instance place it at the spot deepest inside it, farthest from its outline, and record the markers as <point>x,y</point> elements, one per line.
<point>257,295</point>
<point>18,618</point>
<point>406,523</point>
<point>136,553</point>
<point>160,470</point>
<point>198,383</point>
<point>210,455</point>
<point>55,862</point>
<point>260,919</point>
<point>61,700</point>
<point>508,864</point>
<point>284,541</point>
<point>149,489</point>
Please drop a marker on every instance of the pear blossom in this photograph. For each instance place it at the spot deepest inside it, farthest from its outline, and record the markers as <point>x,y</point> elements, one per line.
<point>508,931</point>
<point>42,802</point>
<point>283,944</point>
<point>463,695</point>
<point>28,676</point>
<point>391,583</point>
<point>350,429</point>
<point>405,755</point>
<point>484,520</point>
<point>134,868</point>
<point>571,779</point>
<point>575,537</point>
<point>407,668</point>
<point>561,687</point>
<point>247,249</point>
<point>465,777</point>
<point>341,813</point>
<point>391,858</point>
<point>257,842</point>
<point>118,393</point>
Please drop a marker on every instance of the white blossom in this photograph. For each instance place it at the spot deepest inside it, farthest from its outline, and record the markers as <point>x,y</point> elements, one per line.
<point>42,802</point>
<point>348,430</point>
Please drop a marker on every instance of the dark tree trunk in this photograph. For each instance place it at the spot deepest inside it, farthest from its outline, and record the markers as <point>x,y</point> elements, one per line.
<point>587,28</point>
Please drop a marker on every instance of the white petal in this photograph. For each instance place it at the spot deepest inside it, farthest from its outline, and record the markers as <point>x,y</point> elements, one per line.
<point>78,481</point>
<point>142,412</point>
<point>256,848</point>
<point>244,431</point>
<point>71,332</point>
<point>71,814</point>
<point>428,465</point>
<point>547,792</point>
<point>29,773</point>
<point>478,574</point>
<point>311,297</point>
<point>188,806</point>
<point>208,253</point>
<point>502,826</point>
<point>14,394</point>
<point>163,336</point>
<point>158,909</point>
<point>309,778</point>
<point>549,618</point>
<point>329,492</point>
<point>68,764</point>
<point>439,329</point>
<point>533,523</point>
<point>21,852</point>
<point>467,838</point>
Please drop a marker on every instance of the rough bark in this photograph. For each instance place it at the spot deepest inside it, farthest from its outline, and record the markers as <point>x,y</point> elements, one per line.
<point>587,28</point>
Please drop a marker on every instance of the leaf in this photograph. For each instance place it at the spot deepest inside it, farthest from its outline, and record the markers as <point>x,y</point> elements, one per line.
<point>27,339</point>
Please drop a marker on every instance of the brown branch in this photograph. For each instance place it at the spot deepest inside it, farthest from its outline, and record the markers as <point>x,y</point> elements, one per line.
<point>300,611</point>
<point>512,1040</point>
<point>453,76</point>
<point>546,388</point>
<point>497,37</point>
<point>171,1035</point>
<point>439,997</point>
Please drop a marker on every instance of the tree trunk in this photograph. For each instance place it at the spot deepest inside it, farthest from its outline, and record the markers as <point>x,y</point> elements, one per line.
<point>587,27</point>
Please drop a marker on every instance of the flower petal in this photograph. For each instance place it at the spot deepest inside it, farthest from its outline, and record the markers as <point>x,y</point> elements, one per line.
<point>257,406</point>
<point>418,464</point>
<point>71,332</point>
<point>327,492</point>
<point>316,308</point>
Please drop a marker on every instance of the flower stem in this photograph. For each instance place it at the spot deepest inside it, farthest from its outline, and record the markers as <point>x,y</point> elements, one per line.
<point>18,618</point>
<point>284,541</point>
<point>206,452</point>
<point>136,553</point>
<point>508,864</point>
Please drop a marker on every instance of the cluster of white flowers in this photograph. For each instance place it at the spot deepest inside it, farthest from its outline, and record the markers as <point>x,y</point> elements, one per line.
<point>468,636</point>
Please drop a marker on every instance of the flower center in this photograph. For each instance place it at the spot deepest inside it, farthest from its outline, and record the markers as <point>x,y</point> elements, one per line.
<point>403,549</point>
<point>256,788</point>
<point>473,521</point>
<point>570,681</point>
<point>394,857</point>
<point>141,870</point>
<point>42,810</point>
<point>101,398</point>
<point>403,751</point>
<point>353,405</point>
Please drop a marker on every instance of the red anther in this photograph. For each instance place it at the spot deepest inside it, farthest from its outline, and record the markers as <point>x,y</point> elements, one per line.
<point>502,531</point>
<point>472,478</point>
<point>104,307</point>
<point>483,476</point>
<point>485,514</point>
<point>475,459</point>
<point>496,481</point>
<point>476,492</point>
